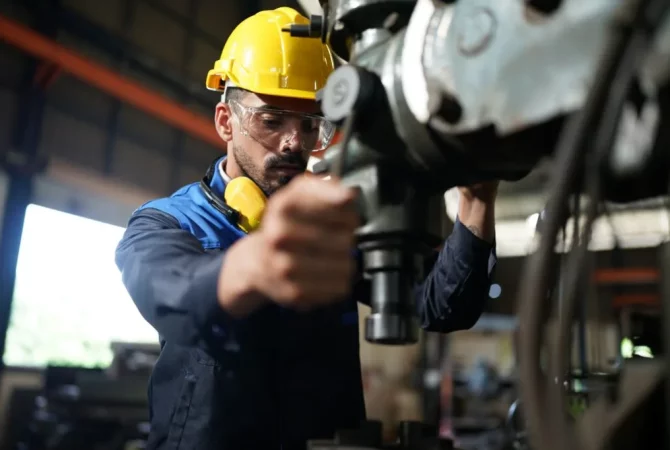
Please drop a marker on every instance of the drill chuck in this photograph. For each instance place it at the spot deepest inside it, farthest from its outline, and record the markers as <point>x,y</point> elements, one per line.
<point>393,319</point>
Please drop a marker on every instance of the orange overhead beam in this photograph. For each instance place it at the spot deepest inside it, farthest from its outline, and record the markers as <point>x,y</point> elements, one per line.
<point>627,275</point>
<point>114,84</point>
<point>631,300</point>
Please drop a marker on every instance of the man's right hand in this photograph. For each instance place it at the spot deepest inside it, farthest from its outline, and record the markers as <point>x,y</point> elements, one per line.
<point>301,257</point>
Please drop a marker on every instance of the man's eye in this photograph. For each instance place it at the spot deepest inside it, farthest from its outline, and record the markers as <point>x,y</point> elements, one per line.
<point>272,122</point>
<point>309,126</point>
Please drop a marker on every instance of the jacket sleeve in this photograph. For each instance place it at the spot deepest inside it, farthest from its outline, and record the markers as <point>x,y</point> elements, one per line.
<point>169,276</point>
<point>454,294</point>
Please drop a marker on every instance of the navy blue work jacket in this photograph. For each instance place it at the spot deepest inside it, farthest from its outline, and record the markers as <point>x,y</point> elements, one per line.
<point>277,377</point>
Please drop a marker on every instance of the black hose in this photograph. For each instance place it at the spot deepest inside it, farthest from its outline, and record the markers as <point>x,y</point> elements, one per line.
<point>583,312</point>
<point>570,156</point>
<point>603,146</point>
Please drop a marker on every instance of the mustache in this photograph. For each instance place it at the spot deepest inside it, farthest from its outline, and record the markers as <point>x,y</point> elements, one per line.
<point>292,159</point>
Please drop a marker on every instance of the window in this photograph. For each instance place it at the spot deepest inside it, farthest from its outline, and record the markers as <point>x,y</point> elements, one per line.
<point>69,302</point>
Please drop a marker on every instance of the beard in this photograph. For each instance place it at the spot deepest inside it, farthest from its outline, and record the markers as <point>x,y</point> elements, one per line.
<point>258,174</point>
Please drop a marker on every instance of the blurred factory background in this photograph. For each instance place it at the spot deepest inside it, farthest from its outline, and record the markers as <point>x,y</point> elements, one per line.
<point>103,107</point>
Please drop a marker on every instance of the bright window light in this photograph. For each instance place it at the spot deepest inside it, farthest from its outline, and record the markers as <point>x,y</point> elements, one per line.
<point>69,302</point>
<point>628,350</point>
<point>634,228</point>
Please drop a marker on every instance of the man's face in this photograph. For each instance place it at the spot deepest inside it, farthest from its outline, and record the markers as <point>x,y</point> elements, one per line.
<point>269,138</point>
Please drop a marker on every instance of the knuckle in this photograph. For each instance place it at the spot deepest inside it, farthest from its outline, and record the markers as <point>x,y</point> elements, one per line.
<point>296,295</point>
<point>280,202</point>
<point>272,206</point>
<point>286,268</point>
<point>300,184</point>
<point>297,183</point>
<point>277,234</point>
<point>288,206</point>
<point>304,182</point>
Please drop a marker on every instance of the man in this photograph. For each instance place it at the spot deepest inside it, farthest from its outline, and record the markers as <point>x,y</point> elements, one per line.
<point>259,330</point>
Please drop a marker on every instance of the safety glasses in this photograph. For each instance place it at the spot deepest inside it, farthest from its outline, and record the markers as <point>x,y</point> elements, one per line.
<point>275,128</point>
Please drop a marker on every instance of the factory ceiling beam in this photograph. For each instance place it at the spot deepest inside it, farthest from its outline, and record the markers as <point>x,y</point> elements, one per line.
<point>161,7</point>
<point>122,49</point>
<point>122,88</point>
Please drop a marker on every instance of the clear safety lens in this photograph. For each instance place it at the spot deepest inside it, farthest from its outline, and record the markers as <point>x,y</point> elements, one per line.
<point>276,128</point>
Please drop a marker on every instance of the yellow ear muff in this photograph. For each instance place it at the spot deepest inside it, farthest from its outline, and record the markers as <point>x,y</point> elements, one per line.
<point>245,197</point>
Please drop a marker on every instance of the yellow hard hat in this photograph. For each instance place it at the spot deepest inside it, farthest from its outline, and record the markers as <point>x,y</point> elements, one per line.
<point>261,58</point>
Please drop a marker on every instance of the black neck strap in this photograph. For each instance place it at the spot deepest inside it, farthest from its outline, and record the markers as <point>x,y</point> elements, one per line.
<point>211,170</point>
<point>216,201</point>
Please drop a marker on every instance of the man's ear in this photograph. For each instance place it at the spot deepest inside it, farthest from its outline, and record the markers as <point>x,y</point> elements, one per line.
<point>223,120</point>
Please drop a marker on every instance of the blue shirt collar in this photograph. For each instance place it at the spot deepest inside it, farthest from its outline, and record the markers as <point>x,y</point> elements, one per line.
<point>217,182</point>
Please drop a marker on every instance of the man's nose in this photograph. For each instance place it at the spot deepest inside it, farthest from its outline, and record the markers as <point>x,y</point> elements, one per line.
<point>291,143</point>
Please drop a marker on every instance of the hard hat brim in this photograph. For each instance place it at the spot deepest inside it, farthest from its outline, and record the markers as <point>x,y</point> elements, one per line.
<point>214,83</point>
<point>288,93</point>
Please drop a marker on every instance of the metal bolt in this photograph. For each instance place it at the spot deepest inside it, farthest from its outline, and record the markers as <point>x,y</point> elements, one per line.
<point>340,92</point>
<point>476,31</point>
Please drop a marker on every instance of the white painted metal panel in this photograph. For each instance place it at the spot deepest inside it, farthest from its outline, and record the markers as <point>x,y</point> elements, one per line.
<point>77,191</point>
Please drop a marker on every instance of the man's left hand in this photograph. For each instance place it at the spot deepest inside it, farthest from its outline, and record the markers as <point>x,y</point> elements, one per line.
<point>484,192</point>
<point>476,209</point>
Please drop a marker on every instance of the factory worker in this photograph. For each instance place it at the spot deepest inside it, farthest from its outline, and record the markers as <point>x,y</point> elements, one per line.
<point>248,274</point>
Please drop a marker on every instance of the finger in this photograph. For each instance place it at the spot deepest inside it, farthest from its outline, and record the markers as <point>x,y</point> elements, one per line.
<point>314,280</point>
<point>321,201</point>
<point>290,214</point>
<point>311,294</point>
<point>330,217</point>
<point>311,282</point>
<point>327,247</point>
<point>304,267</point>
<point>301,236</point>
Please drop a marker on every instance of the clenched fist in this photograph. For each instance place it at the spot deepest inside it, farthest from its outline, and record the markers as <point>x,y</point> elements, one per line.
<point>301,257</point>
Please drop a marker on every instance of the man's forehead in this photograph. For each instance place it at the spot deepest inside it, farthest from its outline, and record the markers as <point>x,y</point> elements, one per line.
<point>281,103</point>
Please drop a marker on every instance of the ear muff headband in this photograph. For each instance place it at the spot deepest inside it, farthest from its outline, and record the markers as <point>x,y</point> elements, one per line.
<point>218,204</point>
<point>243,202</point>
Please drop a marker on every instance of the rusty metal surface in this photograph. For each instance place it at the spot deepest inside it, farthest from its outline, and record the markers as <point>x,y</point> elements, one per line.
<point>511,66</point>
